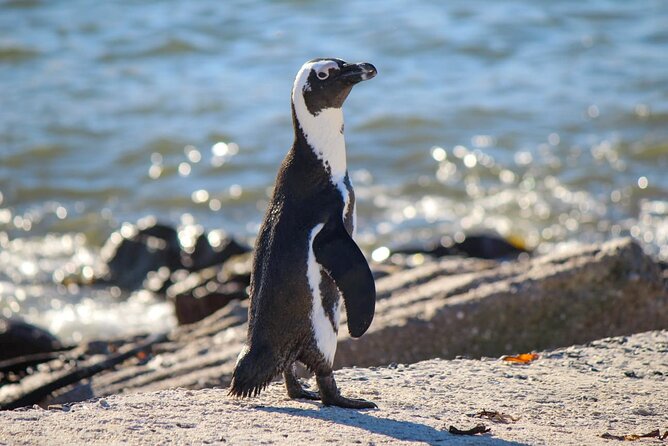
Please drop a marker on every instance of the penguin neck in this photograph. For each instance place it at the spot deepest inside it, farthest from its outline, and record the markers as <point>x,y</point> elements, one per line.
<point>323,133</point>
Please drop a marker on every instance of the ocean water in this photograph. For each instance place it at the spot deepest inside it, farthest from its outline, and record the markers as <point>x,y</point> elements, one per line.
<point>546,122</point>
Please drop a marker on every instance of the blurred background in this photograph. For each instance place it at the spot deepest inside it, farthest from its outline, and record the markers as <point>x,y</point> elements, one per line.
<point>544,122</point>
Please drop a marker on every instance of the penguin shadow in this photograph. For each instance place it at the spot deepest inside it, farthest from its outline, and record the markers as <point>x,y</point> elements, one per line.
<point>396,429</point>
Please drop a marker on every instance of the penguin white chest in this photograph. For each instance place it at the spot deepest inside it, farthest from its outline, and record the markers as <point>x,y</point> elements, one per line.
<point>323,331</point>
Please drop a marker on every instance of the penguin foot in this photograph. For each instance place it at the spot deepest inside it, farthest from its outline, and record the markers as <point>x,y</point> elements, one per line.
<point>303,394</point>
<point>295,390</point>
<point>332,397</point>
<point>349,403</point>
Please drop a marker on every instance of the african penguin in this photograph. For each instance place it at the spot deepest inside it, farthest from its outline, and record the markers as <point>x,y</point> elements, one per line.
<point>305,259</point>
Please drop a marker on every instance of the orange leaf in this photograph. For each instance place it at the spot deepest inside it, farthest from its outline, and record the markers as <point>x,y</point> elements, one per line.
<point>524,358</point>
<point>634,437</point>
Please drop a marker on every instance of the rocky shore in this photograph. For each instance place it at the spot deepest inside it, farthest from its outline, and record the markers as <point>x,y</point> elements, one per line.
<point>441,309</point>
<point>450,308</point>
<point>569,396</point>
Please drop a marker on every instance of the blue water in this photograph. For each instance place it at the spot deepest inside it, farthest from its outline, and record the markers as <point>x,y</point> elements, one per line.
<point>543,121</point>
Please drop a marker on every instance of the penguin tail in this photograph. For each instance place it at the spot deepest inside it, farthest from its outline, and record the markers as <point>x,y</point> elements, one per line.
<point>255,369</point>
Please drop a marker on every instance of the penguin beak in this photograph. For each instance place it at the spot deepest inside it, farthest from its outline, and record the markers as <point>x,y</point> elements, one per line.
<point>354,73</point>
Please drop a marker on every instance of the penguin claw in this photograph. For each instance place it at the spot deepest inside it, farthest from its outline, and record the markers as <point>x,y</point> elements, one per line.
<point>304,394</point>
<point>331,396</point>
<point>349,403</point>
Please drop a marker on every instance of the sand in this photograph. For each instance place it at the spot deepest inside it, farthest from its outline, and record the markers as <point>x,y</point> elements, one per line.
<point>569,396</point>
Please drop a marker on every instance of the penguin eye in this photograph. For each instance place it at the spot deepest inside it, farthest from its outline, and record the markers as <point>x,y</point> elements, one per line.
<point>322,75</point>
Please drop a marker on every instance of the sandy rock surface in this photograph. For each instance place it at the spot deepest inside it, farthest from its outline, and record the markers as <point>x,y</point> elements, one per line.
<point>570,297</point>
<point>569,396</point>
<point>441,309</point>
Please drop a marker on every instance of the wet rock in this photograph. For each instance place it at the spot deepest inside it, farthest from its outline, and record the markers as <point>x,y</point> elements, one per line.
<point>133,251</point>
<point>148,253</point>
<point>482,246</point>
<point>205,300</point>
<point>18,338</point>
<point>202,293</point>
<point>210,249</point>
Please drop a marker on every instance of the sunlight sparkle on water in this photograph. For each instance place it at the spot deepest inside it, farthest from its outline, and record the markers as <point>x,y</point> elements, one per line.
<point>482,141</point>
<point>470,160</point>
<point>460,151</point>
<point>5,216</point>
<point>380,254</point>
<point>155,171</point>
<point>184,169</point>
<point>215,238</point>
<point>235,191</point>
<point>61,212</point>
<point>188,234</point>
<point>193,155</point>
<point>215,204</point>
<point>506,176</point>
<point>219,149</point>
<point>438,153</point>
<point>523,158</point>
<point>225,149</point>
<point>200,196</point>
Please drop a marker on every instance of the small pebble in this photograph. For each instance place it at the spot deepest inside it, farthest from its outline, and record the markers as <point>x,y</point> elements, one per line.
<point>642,411</point>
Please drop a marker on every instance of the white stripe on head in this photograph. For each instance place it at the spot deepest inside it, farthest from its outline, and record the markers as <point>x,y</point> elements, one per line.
<point>324,131</point>
<point>301,81</point>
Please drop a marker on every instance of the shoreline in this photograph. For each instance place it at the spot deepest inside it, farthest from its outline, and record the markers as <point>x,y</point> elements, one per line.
<point>445,308</point>
<point>569,396</point>
<point>69,304</point>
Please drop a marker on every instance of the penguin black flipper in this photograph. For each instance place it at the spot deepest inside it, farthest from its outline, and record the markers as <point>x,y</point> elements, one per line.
<point>341,258</point>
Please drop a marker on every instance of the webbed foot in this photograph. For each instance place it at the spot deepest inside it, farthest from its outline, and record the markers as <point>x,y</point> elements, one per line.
<point>295,390</point>
<point>332,397</point>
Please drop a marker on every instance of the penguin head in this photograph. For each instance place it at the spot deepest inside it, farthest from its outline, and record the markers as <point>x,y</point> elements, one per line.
<point>325,83</point>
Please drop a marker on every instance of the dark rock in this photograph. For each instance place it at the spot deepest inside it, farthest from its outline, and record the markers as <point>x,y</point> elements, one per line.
<point>482,246</point>
<point>572,297</point>
<point>206,300</point>
<point>18,338</point>
<point>134,251</point>
<point>202,293</point>
<point>146,254</point>
<point>209,251</point>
